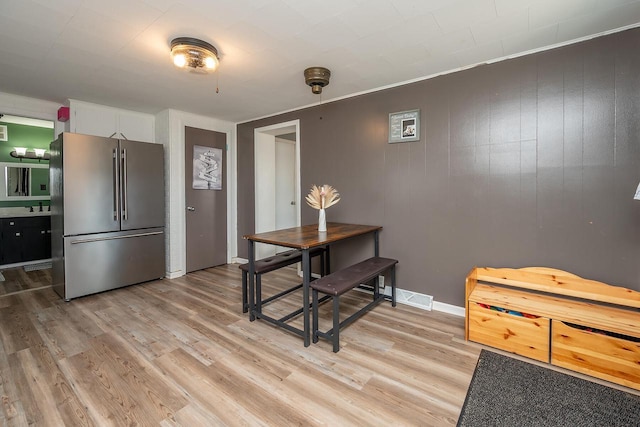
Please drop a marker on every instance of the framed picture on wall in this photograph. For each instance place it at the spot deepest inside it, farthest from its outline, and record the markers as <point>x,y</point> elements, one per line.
<point>404,126</point>
<point>207,168</point>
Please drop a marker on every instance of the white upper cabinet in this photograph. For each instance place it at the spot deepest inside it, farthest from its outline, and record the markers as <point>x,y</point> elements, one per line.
<point>99,120</point>
<point>93,120</point>
<point>136,126</point>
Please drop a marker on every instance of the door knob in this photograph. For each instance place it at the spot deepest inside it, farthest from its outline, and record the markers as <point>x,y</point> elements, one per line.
<point>293,203</point>
<point>191,209</point>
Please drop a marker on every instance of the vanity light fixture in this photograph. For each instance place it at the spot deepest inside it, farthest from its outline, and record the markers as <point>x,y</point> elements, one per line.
<point>194,54</point>
<point>35,154</point>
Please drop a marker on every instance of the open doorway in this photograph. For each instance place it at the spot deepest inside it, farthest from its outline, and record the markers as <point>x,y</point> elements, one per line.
<point>277,180</point>
<point>25,216</point>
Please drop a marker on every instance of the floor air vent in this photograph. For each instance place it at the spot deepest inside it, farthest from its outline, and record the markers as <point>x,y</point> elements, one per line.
<point>415,299</point>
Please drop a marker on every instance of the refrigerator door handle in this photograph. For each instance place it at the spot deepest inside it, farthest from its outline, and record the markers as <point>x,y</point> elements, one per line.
<point>124,184</point>
<point>116,202</point>
<point>128,236</point>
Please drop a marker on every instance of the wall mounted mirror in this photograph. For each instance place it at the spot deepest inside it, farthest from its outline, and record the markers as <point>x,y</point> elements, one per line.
<point>24,181</point>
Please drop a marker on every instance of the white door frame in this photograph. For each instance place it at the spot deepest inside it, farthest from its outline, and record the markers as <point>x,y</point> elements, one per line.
<point>173,132</point>
<point>264,166</point>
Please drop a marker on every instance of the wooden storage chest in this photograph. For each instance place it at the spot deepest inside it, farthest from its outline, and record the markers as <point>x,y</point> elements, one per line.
<point>557,317</point>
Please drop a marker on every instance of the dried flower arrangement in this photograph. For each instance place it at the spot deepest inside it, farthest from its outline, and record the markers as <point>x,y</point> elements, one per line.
<point>322,197</point>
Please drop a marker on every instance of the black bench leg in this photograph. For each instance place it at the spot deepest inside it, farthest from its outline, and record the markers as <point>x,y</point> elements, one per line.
<point>314,307</point>
<point>259,292</point>
<point>336,324</point>
<point>245,301</point>
<point>376,288</point>
<point>393,286</point>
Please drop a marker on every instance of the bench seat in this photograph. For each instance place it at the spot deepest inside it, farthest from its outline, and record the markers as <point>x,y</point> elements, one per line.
<point>336,284</point>
<point>273,263</point>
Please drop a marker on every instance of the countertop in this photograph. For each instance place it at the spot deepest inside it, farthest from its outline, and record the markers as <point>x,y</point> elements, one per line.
<point>22,211</point>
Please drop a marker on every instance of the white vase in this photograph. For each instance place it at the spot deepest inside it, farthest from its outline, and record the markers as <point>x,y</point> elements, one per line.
<point>322,221</point>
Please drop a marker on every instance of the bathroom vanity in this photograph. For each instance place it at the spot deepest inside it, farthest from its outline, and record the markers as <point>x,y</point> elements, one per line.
<point>25,232</point>
<point>24,238</point>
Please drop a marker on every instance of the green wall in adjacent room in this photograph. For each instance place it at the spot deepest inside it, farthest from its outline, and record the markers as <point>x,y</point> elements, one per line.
<point>24,136</point>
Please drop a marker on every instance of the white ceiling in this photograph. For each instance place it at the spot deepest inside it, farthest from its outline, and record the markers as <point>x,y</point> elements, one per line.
<point>116,52</point>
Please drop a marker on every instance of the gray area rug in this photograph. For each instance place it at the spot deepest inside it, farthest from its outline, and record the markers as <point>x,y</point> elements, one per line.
<point>508,392</point>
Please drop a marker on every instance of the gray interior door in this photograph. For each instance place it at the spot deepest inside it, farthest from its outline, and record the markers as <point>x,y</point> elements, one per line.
<point>206,206</point>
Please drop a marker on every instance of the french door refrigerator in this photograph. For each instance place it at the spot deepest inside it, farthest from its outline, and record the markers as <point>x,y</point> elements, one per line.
<point>107,198</point>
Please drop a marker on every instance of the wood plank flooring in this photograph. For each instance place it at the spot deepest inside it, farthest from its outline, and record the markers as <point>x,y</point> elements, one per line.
<point>18,280</point>
<point>181,353</point>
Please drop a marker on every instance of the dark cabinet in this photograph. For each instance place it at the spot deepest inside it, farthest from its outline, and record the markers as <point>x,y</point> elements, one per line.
<point>25,239</point>
<point>11,242</point>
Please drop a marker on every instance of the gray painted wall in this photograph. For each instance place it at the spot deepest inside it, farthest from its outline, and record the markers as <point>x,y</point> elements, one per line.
<point>527,162</point>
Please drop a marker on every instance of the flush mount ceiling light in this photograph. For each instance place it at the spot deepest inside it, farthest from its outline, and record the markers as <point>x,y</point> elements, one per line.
<point>193,54</point>
<point>317,78</point>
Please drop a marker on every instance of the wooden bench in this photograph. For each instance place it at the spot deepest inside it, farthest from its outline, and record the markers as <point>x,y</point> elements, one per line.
<point>336,284</point>
<point>273,263</point>
<point>557,317</point>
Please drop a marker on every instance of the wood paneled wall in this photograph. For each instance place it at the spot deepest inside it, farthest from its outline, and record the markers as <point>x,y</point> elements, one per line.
<point>527,162</point>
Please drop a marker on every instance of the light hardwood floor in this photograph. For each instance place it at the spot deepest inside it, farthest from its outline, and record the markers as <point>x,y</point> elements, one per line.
<point>18,280</point>
<point>180,352</point>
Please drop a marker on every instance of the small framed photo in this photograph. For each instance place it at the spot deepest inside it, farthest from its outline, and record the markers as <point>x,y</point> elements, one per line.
<point>404,126</point>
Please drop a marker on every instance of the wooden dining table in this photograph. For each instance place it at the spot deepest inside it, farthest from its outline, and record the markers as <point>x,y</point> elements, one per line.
<point>302,238</point>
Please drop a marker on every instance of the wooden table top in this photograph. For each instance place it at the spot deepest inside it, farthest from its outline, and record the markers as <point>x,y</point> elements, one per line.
<point>308,236</point>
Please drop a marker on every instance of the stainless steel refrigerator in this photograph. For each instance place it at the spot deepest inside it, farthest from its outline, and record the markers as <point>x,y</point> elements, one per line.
<point>107,213</point>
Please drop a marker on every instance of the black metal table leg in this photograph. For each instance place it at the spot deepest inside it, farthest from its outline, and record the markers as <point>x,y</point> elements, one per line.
<point>306,278</point>
<point>252,273</point>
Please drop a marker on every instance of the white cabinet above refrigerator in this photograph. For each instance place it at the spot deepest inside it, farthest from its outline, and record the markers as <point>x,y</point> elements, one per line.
<point>99,120</point>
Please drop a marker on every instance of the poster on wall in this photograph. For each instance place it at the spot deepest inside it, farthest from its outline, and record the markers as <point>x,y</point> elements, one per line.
<point>404,126</point>
<point>207,168</point>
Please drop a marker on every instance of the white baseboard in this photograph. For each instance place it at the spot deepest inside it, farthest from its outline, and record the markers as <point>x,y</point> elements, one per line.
<point>22,264</point>
<point>173,274</point>
<point>238,260</point>
<point>448,308</point>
